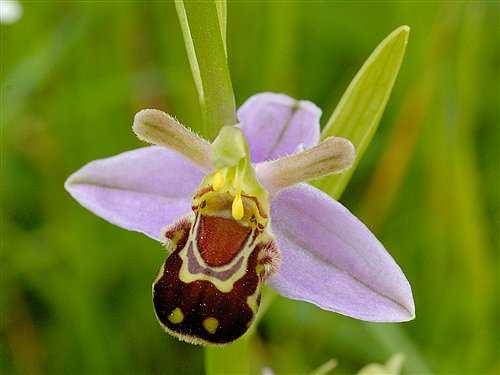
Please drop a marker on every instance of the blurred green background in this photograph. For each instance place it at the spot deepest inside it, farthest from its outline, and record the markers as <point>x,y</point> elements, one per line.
<point>75,292</point>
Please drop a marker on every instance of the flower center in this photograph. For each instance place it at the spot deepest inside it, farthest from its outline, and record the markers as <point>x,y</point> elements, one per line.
<point>232,190</point>
<point>229,193</point>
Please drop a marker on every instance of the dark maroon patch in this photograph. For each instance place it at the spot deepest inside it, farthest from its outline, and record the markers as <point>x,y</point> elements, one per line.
<point>220,239</point>
<point>200,300</point>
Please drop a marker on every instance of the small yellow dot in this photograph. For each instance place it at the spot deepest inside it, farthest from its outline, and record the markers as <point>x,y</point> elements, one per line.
<point>176,316</point>
<point>237,209</point>
<point>211,324</point>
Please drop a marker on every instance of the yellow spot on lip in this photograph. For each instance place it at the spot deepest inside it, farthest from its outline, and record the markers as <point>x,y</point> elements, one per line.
<point>176,316</point>
<point>218,181</point>
<point>211,324</point>
<point>237,209</point>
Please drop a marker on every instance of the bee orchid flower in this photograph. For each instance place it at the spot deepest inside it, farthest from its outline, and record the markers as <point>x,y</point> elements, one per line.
<point>237,213</point>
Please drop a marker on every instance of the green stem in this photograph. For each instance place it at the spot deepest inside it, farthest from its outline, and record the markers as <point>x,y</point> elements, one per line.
<point>203,28</point>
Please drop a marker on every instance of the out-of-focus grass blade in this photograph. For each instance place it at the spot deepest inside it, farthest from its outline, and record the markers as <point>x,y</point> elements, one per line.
<point>360,109</point>
<point>467,206</point>
<point>20,83</point>
<point>222,14</point>
<point>202,25</point>
<point>325,368</point>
